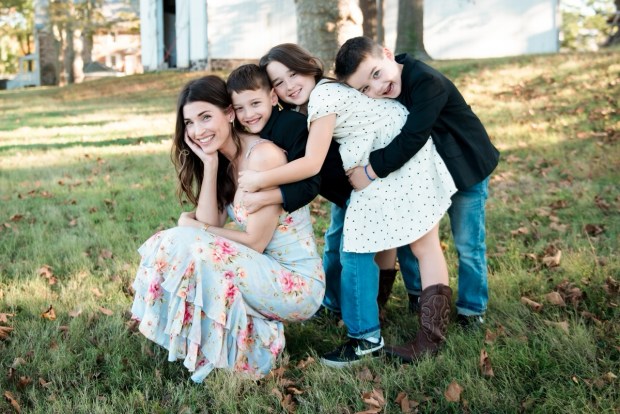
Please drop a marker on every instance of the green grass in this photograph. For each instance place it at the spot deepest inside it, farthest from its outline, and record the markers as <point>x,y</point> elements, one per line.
<point>85,178</point>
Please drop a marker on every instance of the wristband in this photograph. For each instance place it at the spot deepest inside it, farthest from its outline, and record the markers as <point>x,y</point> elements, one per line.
<point>366,171</point>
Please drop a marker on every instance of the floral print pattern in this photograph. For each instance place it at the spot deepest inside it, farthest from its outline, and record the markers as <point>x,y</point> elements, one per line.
<point>214,303</point>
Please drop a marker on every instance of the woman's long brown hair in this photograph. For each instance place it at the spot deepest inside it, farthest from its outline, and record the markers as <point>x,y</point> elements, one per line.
<point>188,165</point>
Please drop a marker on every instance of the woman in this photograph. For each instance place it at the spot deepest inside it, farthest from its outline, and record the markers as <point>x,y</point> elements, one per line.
<point>213,296</point>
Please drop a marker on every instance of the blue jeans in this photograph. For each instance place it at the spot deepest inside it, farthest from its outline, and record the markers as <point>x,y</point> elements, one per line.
<point>467,222</point>
<point>352,282</point>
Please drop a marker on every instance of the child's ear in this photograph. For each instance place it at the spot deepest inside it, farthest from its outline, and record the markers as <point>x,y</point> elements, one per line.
<point>388,53</point>
<point>273,97</point>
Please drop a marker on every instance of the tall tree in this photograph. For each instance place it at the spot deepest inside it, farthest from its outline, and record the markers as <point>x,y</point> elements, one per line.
<point>322,25</point>
<point>410,29</point>
<point>372,26</point>
<point>16,28</point>
<point>614,22</point>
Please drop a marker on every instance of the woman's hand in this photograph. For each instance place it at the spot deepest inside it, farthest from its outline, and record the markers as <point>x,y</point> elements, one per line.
<point>187,219</point>
<point>209,158</point>
<point>358,177</point>
<point>249,181</point>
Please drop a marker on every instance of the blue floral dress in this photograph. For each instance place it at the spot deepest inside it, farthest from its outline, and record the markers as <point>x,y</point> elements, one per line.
<point>216,303</point>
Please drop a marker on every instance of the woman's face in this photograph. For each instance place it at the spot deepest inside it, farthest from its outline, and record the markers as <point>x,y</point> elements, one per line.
<point>207,125</point>
<point>293,88</point>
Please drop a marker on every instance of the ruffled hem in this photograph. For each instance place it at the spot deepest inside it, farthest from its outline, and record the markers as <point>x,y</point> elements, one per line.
<point>205,333</point>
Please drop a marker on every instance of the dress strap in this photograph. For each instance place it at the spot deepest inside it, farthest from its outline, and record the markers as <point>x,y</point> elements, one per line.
<point>253,144</point>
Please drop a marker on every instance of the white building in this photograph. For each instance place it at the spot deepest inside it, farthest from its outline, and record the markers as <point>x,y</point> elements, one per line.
<point>186,33</point>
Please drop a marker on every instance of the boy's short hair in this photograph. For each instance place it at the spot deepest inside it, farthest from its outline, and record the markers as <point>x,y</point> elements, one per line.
<point>247,77</point>
<point>352,53</point>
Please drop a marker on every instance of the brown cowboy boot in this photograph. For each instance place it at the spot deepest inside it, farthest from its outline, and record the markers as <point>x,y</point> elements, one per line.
<point>434,316</point>
<point>386,281</point>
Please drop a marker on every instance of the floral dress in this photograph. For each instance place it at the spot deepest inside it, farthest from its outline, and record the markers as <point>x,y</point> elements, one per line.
<point>216,303</point>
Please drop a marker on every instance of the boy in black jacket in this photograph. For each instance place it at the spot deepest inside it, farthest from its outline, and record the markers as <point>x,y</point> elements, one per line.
<point>436,108</point>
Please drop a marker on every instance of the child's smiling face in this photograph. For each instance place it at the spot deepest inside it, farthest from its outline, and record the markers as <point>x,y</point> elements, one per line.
<point>377,77</point>
<point>253,108</point>
<point>292,87</point>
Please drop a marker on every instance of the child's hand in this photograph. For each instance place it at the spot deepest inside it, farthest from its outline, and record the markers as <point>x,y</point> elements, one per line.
<point>252,201</point>
<point>358,178</point>
<point>249,181</point>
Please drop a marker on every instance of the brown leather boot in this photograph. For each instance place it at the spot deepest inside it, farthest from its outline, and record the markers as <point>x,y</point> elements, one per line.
<point>386,281</point>
<point>434,316</point>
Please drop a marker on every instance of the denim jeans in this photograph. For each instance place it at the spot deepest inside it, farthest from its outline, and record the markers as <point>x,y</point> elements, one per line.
<point>352,282</point>
<point>467,220</point>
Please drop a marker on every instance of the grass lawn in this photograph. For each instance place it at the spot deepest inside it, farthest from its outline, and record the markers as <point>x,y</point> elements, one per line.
<point>86,177</point>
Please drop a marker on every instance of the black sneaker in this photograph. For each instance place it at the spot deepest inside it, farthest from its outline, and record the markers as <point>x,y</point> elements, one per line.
<point>352,352</point>
<point>470,321</point>
<point>324,313</point>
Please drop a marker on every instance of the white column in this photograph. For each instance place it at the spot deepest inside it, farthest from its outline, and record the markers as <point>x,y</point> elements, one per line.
<point>148,34</point>
<point>182,30</point>
<point>198,38</point>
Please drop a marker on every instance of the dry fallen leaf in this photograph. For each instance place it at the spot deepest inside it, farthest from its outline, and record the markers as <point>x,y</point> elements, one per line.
<point>43,383</point>
<point>520,230</point>
<point>5,331</point>
<point>46,272</point>
<point>49,314</point>
<point>364,375</point>
<point>485,364</point>
<point>554,260</point>
<point>555,299</point>
<point>453,392</point>
<point>374,399</point>
<point>75,313</point>
<point>4,317</point>
<point>96,292</point>
<point>489,337</point>
<point>536,307</point>
<point>106,254</point>
<point>24,382</point>
<point>406,406</point>
<point>594,229</point>
<point>609,377</point>
<point>105,311</point>
<point>304,363</point>
<point>13,401</point>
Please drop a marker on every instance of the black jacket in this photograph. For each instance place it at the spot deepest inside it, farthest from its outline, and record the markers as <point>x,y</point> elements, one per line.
<point>438,109</point>
<point>288,130</point>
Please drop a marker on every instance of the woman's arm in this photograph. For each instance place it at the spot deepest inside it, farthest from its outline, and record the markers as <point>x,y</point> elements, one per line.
<point>262,224</point>
<point>319,138</point>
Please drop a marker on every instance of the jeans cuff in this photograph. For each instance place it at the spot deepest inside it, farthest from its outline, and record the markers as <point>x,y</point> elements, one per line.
<point>375,333</point>
<point>468,312</point>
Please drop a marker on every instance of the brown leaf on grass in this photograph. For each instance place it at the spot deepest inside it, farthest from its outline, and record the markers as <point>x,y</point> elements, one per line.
<point>520,230</point>
<point>73,222</point>
<point>609,377</point>
<point>286,401</point>
<point>453,392</point>
<point>43,383</point>
<point>5,331</point>
<point>294,390</point>
<point>406,406</point>
<point>93,210</point>
<point>106,311</point>
<point>49,314</point>
<point>563,325</point>
<point>611,286</point>
<point>485,364</point>
<point>18,362</point>
<point>374,399</point>
<point>555,299</point>
<point>489,337</point>
<point>556,205</point>
<point>16,217</point>
<point>10,398</point>
<point>592,317</point>
<point>560,228</point>
<point>536,307</point>
<point>24,382</point>
<point>305,362</point>
<point>601,203</point>
<point>96,292</point>
<point>594,229</point>
<point>364,375</point>
<point>552,261</point>
<point>4,317</point>
<point>47,273</point>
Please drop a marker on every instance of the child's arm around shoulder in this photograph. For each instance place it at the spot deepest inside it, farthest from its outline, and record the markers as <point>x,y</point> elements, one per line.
<point>319,139</point>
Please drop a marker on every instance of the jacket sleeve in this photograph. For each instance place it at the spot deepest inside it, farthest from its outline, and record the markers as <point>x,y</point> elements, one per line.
<point>298,194</point>
<point>428,96</point>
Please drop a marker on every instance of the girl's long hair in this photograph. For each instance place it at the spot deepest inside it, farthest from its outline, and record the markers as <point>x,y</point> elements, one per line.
<point>189,167</point>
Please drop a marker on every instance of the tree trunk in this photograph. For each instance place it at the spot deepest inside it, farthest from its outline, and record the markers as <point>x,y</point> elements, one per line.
<point>370,23</point>
<point>323,25</point>
<point>410,29</point>
<point>614,38</point>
